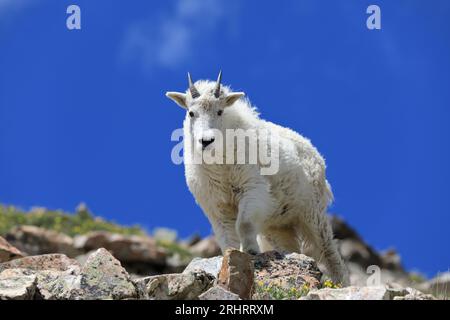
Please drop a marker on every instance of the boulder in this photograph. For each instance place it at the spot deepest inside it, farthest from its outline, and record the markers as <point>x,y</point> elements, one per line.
<point>218,293</point>
<point>236,273</point>
<point>34,241</point>
<point>128,249</point>
<point>102,277</point>
<point>414,294</point>
<point>53,275</point>
<point>56,262</point>
<point>56,285</point>
<point>177,286</point>
<point>349,293</point>
<point>17,284</point>
<point>209,265</point>
<point>382,292</point>
<point>206,248</point>
<point>288,275</point>
<point>57,277</point>
<point>8,252</point>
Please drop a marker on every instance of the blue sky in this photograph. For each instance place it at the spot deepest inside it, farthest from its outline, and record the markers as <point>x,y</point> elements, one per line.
<point>84,117</point>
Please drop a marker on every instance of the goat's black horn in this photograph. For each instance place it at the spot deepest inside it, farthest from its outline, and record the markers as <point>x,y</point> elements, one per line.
<point>219,80</point>
<point>192,88</point>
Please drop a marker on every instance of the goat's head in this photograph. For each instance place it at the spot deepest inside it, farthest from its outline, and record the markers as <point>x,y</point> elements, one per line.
<point>205,103</point>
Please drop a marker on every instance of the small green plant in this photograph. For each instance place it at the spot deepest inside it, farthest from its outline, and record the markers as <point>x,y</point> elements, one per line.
<point>273,291</point>
<point>330,284</point>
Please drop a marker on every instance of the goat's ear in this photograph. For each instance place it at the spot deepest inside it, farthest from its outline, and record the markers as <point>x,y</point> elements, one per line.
<point>178,97</point>
<point>233,97</point>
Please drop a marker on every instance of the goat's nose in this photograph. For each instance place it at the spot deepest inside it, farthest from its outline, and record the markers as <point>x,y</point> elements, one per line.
<point>206,142</point>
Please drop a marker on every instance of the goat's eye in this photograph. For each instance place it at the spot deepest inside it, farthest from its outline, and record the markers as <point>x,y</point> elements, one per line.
<point>191,114</point>
<point>219,113</point>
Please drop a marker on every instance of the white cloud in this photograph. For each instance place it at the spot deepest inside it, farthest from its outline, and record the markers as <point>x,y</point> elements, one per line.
<point>172,38</point>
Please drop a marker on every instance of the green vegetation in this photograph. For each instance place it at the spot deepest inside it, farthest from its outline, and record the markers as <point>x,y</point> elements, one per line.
<point>273,291</point>
<point>72,224</point>
<point>417,277</point>
<point>289,291</point>
<point>173,248</point>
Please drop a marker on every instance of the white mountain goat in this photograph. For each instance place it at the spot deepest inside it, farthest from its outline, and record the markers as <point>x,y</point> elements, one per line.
<point>285,211</point>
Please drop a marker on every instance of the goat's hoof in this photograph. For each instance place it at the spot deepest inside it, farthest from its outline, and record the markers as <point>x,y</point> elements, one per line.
<point>251,252</point>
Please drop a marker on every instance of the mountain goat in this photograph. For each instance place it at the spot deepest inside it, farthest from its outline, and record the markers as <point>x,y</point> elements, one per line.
<point>256,212</point>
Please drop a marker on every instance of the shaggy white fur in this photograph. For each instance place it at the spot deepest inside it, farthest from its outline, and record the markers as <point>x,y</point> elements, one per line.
<point>285,211</point>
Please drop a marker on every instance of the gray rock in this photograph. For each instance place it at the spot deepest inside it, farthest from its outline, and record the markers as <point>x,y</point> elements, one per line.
<point>102,277</point>
<point>17,284</point>
<point>218,293</point>
<point>58,262</point>
<point>54,285</point>
<point>414,294</point>
<point>236,274</point>
<point>284,272</point>
<point>209,265</point>
<point>178,286</point>
<point>349,293</point>
<point>383,292</point>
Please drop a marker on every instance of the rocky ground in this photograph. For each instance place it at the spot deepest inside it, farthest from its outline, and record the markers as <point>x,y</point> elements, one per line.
<point>37,263</point>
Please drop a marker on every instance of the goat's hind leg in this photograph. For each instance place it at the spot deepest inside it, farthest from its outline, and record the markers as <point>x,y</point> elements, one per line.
<point>319,233</point>
<point>283,240</point>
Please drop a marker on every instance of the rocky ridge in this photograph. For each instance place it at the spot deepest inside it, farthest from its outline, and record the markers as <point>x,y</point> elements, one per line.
<point>36,263</point>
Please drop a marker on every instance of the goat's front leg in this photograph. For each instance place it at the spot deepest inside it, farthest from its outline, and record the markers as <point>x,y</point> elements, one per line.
<point>255,207</point>
<point>225,233</point>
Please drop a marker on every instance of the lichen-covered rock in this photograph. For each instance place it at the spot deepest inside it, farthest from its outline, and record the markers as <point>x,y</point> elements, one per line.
<point>177,286</point>
<point>218,293</point>
<point>209,265</point>
<point>103,277</point>
<point>285,272</point>
<point>128,249</point>
<point>414,294</point>
<point>382,292</point>
<point>17,284</point>
<point>34,240</point>
<point>8,252</point>
<point>55,285</point>
<point>58,262</point>
<point>349,293</point>
<point>236,273</point>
